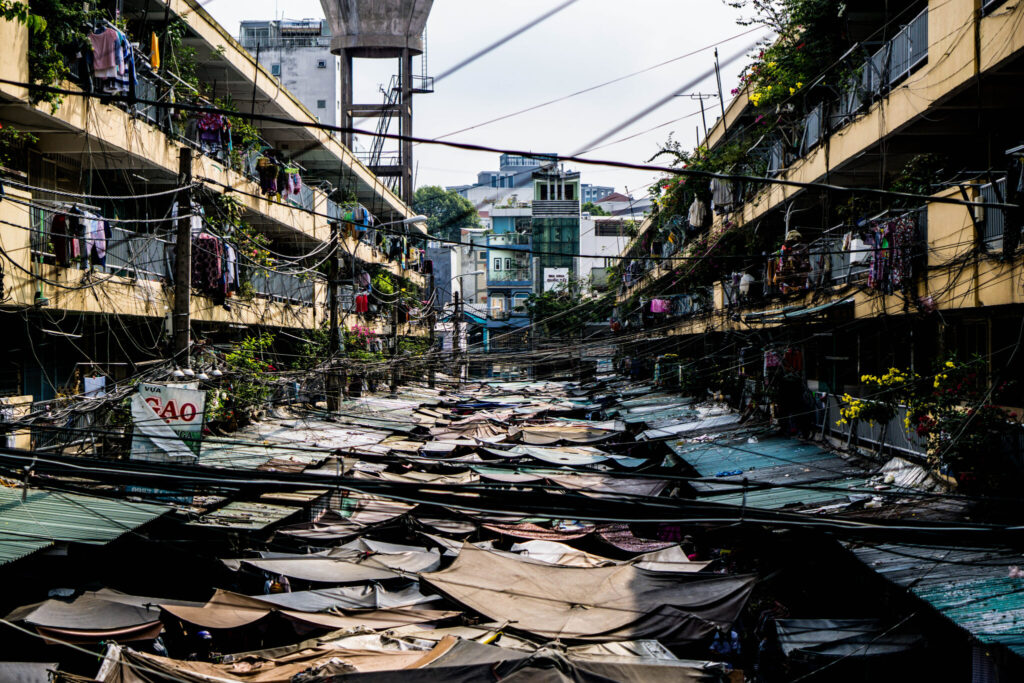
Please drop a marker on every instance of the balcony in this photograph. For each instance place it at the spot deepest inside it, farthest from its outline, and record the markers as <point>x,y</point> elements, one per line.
<point>509,276</point>
<point>508,240</point>
<point>555,208</point>
<point>885,65</point>
<point>993,221</point>
<point>150,257</point>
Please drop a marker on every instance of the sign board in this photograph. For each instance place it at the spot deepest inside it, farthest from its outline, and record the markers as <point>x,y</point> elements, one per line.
<point>168,423</point>
<point>555,278</point>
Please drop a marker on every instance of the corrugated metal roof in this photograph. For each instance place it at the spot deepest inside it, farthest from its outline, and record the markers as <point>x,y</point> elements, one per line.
<point>714,459</point>
<point>47,517</point>
<point>245,515</point>
<point>776,498</point>
<point>970,586</point>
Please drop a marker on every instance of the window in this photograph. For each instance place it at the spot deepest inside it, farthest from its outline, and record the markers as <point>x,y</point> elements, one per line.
<point>519,302</point>
<point>570,192</point>
<point>494,181</point>
<point>508,264</point>
<point>275,70</point>
<point>321,104</point>
<point>481,256</point>
<point>497,264</point>
<point>609,229</point>
<point>321,63</point>
<point>497,303</point>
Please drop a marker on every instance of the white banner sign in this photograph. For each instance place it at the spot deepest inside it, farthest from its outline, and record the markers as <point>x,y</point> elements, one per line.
<point>168,423</point>
<point>555,277</point>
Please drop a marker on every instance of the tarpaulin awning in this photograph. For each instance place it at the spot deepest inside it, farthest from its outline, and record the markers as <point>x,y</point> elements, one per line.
<point>366,596</point>
<point>620,536</point>
<point>356,561</point>
<point>533,531</point>
<point>598,484</point>
<point>602,603</point>
<point>227,610</point>
<point>844,637</point>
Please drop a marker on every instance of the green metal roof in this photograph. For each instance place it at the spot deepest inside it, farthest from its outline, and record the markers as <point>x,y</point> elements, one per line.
<point>969,586</point>
<point>48,517</point>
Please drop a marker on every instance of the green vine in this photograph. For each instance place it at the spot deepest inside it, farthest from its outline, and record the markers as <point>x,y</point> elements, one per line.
<point>12,144</point>
<point>52,38</point>
<point>183,57</point>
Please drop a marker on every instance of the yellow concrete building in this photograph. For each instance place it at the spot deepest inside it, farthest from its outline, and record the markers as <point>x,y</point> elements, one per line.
<point>857,281</point>
<point>68,308</point>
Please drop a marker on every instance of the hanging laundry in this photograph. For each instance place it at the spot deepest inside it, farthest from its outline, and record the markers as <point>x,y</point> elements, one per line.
<point>659,306</point>
<point>154,52</point>
<point>231,268</point>
<point>60,236</point>
<point>206,264</point>
<point>106,48</point>
<point>697,216</point>
<point>722,195</point>
<point>97,231</point>
<point>267,171</point>
<point>213,128</point>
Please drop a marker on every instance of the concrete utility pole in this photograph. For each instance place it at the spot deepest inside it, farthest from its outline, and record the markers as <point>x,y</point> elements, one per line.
<point>456,341</point>
<point>432,321</point>
<point>334,333</point>
<point>181,322</point>
<point>394,346</point>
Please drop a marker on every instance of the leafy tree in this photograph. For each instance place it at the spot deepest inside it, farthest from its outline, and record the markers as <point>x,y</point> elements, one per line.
<point>594,210</point>
<point>57,31</point>
<point>564,310</point>
<point>448,211</point>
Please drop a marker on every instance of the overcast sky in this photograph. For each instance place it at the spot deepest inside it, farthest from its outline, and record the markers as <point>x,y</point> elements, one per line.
<point>588,43</point>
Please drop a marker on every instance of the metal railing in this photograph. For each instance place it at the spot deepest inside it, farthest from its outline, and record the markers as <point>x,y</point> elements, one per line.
<point>508,239</point>
<point>994,220</point>
<point>893,437</point>
<point>814,128</point>
<point>513,275</point>
<point>283,287</point>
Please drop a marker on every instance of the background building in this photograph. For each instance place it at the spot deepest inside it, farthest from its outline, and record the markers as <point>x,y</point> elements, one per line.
<point>298,53</point>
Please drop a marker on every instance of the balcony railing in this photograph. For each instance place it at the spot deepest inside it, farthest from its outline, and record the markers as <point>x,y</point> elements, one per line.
<point>283,287</point>
<point>513,275</point>
<point>508,239</point>
<point>890,63</point>
<point>993,220</point>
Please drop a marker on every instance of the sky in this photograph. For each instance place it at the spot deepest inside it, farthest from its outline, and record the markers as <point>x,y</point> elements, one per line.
<point>590,42</point>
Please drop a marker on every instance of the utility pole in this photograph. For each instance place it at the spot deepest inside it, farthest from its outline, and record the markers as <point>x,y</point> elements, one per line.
<point>432,321</point>
<point>456,340</point>
<point>334,333</point>
<point>721,98</point>
<point>181,322</point>
<point>394,346</point>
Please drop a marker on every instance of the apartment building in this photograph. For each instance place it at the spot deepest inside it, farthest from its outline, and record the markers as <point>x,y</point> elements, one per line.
<point>95,188</point>
<point>926,101</point>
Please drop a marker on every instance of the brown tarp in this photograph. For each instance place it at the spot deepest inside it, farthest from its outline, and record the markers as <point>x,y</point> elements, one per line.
<point>361,559</point>
<point>597,484</point>
<point>227,610</point>
<point>539,533</point>
<point>619,536</point>
<point>129,666</point>
<point>602,603</point>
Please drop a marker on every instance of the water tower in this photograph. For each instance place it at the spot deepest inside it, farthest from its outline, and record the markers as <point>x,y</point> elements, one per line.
<point>382,29</point>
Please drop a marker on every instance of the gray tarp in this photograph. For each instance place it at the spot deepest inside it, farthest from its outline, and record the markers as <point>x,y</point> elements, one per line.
<point>843,637</point>
<point>368,596</point>
<point>227,610</point>
<point>601,603</point>
<point>27,672</point>
<point>355,562</point>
